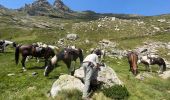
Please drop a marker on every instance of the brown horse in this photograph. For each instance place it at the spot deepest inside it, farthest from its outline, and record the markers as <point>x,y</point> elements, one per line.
<point>32,50</point>
<point>67,55</point>
<point>132,59</point>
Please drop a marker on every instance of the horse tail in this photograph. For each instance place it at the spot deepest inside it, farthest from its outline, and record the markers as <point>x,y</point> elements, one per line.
<point>17,54</point>
<point>81,57</point>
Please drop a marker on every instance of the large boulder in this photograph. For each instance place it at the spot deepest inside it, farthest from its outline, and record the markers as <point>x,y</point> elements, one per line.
<point>66,82</point>
<point>105,75</point>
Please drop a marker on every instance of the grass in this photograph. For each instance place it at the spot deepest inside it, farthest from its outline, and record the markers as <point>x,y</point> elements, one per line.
<point>25,86</point>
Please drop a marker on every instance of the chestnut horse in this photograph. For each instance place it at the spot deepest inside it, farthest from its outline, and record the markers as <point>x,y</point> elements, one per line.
<point>67,55</point>
<point>133,59</point>
<point>34,51</point>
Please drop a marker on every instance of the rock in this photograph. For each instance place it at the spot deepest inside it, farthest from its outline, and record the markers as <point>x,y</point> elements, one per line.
<point>107,44</point>
<point>11,74</point>
<point>34,73</point>
<point>161,20</point>
<point>31,88</point>
<point>72,36</point>
<point>87,41</point>
<point>144,75</point>
<point>106,75</point>
<point>113,18</point>
<point>165,75</point>
<point>66,82</point>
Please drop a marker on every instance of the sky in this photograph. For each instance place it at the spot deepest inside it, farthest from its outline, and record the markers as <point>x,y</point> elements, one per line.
<point>140,7</point>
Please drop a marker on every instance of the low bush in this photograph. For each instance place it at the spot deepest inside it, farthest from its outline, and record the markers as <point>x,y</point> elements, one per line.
<point>116,92</point>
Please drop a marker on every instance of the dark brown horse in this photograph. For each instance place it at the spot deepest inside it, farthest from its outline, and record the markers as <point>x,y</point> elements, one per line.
<point>132,59</point>
<point>67,55</point>
<point>32,50</point>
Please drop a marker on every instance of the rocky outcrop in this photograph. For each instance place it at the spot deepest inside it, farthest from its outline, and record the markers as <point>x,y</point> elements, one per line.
<point>39,7</point>
<point>59,5</point>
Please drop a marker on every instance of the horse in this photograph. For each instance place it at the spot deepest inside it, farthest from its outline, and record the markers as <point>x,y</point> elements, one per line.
<point>67,55</point>
<point>5,43</point>
<point>42,45</point>
<point>34,51</point>
<point>151,60</point>
<point>132,59</point>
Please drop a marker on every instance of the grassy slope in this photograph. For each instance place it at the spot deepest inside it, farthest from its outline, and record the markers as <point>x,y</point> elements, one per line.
<point>25,86</point>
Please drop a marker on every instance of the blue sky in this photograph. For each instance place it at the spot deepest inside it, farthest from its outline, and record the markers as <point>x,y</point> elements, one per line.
<point>141,7</point>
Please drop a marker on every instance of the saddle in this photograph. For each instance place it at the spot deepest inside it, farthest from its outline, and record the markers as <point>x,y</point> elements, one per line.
<point>38,49</point>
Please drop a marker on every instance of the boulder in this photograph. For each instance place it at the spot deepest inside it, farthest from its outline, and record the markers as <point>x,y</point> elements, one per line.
<point>66,82</point>
<point>165,75</point>
<point>72,36</point>
<point>106,75</point>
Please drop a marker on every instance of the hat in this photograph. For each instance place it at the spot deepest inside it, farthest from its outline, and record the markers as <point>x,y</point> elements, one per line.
<point>98,52</point>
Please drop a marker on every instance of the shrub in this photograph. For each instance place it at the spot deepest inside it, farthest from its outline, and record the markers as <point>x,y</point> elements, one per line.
<point>116,92</point>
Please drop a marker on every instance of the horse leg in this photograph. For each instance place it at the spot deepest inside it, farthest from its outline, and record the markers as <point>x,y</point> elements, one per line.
<point>160,69</point>
<point>72,67</point>
<point>46,61</point>
<point>3,49</point>
<point>23,62</point>
<point>150,69</point>
<point>69,69</point>
<point>37,59</point>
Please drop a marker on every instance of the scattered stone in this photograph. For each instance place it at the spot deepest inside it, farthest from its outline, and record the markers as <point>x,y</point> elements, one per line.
<point>72,36</point>
<point>34,73</point>
<point>142,76</point>
<point>161,20</point>
<point>11,74</point>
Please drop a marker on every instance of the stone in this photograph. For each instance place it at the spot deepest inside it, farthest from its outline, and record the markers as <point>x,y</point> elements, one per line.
<point>66,82</point>
<point>142,76</point>
<point>165,75</point>
<point>11,74</point>
<point>72,36</point>
<point>106,75</point>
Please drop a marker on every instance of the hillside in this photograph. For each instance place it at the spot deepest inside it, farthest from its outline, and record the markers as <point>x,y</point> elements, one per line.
<point>42,22</point>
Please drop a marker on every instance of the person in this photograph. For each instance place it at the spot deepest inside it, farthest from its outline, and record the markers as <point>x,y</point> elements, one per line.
<point>90,65</point>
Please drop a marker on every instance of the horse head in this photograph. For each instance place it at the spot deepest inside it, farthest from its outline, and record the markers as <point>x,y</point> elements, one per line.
<point>133,58</point>
<point>80,55</point>
<point>14,44</point>
<point>50,66</point>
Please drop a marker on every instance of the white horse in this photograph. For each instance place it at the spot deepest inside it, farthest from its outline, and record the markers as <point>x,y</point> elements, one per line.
<point>5,43</point>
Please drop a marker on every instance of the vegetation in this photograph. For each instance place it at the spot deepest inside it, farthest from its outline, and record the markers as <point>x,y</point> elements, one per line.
<point>24,29</point>
<point>116,92</point>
